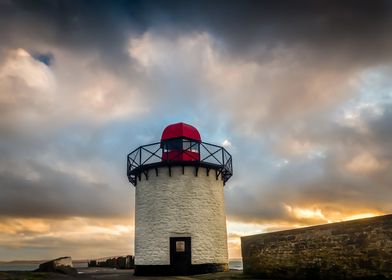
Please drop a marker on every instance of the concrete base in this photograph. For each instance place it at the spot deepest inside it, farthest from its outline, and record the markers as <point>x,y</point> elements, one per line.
<point>156,270</point>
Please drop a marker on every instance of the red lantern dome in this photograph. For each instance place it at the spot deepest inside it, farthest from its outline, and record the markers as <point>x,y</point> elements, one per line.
<point>180,130</point>
<point>180,142</point>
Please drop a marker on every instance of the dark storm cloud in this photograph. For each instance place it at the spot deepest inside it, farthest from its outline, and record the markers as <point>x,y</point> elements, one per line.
<point>359,29</point>
<point>354,28</point>
<point>83,26</point>
<point>49,193</point>
<point>323,43</point>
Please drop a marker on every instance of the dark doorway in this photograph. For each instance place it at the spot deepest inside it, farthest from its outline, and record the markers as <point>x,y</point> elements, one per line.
<point>180,255</point>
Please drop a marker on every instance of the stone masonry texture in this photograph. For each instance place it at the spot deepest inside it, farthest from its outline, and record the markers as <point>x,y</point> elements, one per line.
<point>358,249</point>
<point>176,206</point>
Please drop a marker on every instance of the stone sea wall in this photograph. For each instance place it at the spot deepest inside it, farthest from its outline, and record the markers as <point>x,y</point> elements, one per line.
<point>358,249</point>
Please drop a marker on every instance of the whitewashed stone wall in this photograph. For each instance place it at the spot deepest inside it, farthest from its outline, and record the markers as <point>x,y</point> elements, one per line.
<point>180,205</point>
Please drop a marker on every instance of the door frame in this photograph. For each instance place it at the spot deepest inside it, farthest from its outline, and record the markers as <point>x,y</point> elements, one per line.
<point>181,262</point>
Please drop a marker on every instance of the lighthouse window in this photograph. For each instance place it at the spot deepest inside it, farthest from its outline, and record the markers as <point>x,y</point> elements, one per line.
<point>180,246</point>
<point>191,146</point>
<point>173,145</point>
<point>195,147</point>
<point>181,145</point>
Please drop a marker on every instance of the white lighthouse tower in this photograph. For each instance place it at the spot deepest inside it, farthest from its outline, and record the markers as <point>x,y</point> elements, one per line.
<point>180,221</point>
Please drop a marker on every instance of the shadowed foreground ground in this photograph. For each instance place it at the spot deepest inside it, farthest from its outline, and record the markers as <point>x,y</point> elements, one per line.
<point>108,273</point>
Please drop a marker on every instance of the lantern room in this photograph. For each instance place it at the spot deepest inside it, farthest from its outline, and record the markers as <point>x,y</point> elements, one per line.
<point>180,145</point>
<point>180,142</point>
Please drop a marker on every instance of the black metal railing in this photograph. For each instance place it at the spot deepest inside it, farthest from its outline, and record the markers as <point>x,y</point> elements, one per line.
<point>149,156</point>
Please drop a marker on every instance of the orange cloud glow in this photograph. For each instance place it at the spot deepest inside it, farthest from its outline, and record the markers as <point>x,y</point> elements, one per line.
<point>82,238</point>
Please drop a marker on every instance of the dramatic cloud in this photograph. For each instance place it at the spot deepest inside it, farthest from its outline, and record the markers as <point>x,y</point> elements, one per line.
<point>80,236</point>
<point>298,92</point>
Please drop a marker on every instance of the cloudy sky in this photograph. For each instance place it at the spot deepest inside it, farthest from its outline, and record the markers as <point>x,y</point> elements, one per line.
<point>298,91</point>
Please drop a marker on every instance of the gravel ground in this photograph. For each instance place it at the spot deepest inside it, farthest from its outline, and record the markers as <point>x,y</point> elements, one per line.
<point>108,273</point>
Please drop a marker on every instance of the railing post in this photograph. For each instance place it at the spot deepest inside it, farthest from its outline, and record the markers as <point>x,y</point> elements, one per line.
<point>223,157</point>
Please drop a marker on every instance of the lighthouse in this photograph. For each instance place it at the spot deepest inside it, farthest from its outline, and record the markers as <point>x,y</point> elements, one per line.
<point>180,221</point>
